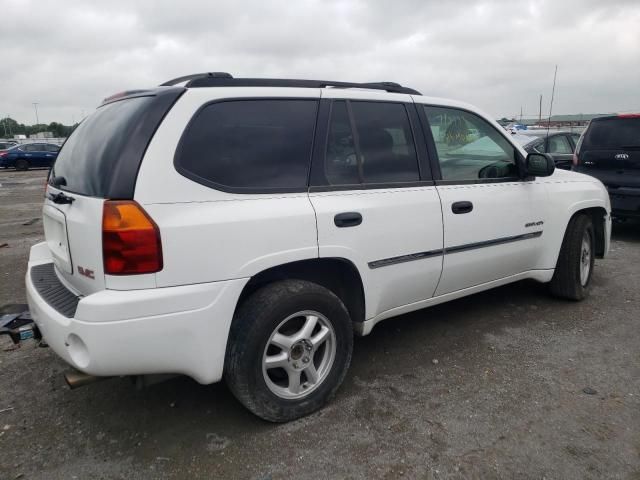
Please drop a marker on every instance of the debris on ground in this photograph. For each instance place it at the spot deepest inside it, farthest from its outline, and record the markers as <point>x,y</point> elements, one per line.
<point>589,391</point>
<point>4,245</point>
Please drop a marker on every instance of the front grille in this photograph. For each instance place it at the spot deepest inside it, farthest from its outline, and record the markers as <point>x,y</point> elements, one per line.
<point>52,290</point>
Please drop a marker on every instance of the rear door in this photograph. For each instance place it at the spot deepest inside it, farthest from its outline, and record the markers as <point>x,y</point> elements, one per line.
<point>374,199</point>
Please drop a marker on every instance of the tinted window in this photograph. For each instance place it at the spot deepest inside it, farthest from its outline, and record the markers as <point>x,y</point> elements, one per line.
<point>559,144</point>
<point>575,137</point>
<point>87,159</point>
<point>386,152</point>
<point>537,145</point>
<point>341,162</point>
<point>254,144</point>
<point>469,148</point>
<point>386,142</point>
<point>52,148</point>
<point>613,133</point>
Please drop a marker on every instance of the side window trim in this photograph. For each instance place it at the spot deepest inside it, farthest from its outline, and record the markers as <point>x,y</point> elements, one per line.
<point>317,181</point>
<point>435,159</point>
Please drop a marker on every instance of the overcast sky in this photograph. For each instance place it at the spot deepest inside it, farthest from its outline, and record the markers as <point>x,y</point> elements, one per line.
<point>500,55</point>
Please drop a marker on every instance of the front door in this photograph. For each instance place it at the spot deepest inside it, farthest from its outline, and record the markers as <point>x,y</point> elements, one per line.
<point>492,227</point>
<point>375,203</point>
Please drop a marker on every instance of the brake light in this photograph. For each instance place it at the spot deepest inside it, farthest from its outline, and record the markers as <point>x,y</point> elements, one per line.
<point>130,239</point>
<point>629,115</point>
<point>3,154</point>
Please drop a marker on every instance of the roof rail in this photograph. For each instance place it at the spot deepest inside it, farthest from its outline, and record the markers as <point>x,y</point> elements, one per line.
<point>222,79</point>
<point>193,76</point>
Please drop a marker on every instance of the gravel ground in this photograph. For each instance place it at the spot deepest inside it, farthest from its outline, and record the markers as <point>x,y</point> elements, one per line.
<point>510,383</point>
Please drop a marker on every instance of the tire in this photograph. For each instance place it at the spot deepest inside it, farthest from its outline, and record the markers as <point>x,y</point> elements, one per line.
<point>572,276</point>
<point>22,164</point>
<point>261,372</point>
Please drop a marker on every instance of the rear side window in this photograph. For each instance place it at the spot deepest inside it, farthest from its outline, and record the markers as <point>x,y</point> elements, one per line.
<point>90,154</point>
<point>612,133</point>
<point>560,144</point>
<point>250,145</point>
<point>381,150</point>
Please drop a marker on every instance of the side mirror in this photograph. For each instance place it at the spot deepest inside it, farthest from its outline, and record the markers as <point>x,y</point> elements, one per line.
<point>540,165</point>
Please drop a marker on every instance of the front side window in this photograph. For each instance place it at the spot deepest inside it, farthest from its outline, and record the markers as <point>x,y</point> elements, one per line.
<point>250,144</point>
<point>381,150</point>
<point>469,148</point>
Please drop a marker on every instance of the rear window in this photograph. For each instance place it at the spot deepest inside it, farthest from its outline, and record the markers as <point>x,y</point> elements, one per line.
<point>250,145</point>
<point>613,133</point>
<point>89,156</point>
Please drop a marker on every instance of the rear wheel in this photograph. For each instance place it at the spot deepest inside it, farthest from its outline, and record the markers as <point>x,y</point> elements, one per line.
<point>574,269</point>
<point>22,164</point>
<point>289,349</point>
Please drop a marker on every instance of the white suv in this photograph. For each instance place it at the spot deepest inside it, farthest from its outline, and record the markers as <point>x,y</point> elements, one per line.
<point>246,228</point>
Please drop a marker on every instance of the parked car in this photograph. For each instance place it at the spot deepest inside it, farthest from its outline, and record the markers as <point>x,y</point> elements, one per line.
<point>246,228</point>
<point>29,155</point>
<point>6,145</point>
<point>560,145</point>
<point>610,151</point>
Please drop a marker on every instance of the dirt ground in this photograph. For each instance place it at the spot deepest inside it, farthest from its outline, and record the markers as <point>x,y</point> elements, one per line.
<point>491,386</point>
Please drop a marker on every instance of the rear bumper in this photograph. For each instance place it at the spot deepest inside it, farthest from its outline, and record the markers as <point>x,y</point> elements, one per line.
<point>180,330</point>
<point>625,201</point>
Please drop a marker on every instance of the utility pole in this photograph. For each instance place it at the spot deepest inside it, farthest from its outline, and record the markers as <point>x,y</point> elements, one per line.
<point>540,114</point>
<point>521,114</point>
<point>35,106</point>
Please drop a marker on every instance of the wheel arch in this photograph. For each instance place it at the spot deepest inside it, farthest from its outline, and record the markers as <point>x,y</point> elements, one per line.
<point>598,217</point>
<point>338,275</point>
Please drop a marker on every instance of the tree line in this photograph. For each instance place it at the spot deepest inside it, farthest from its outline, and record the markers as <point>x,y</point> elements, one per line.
<point>10,127</point>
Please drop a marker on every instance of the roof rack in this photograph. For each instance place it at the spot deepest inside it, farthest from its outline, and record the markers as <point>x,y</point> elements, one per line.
<point>223,79</point>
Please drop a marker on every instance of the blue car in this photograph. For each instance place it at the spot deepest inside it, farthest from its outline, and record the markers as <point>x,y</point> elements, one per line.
<point>29,155</point>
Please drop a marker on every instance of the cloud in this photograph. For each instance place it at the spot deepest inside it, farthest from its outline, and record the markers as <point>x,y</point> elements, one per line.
<point>499,55</point>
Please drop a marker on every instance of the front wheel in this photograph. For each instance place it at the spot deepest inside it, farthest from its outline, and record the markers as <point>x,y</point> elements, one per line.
<point>289,349</point>
<point>574,269</point>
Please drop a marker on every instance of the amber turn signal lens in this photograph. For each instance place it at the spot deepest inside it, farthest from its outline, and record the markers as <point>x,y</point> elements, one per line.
<point>130,239</point>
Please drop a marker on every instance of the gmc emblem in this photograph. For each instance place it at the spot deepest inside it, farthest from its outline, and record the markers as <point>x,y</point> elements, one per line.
<point>86,272</point>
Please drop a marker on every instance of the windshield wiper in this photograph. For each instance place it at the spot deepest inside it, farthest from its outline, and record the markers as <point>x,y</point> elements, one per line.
<point>61,198</point>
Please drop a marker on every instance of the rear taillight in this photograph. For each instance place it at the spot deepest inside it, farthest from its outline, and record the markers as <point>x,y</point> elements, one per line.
<point>130,239</point>
<point>3,154</point>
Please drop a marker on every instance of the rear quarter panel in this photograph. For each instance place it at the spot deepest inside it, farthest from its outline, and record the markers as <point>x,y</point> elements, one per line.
<point>210,235</point>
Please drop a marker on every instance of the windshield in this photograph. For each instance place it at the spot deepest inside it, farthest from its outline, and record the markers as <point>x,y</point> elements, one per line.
<point>86,162</point>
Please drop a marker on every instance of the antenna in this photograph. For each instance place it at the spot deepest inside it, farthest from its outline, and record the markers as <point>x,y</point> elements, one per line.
<point>553,91</point>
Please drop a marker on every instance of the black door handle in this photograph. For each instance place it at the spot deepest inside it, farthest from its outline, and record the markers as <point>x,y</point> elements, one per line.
<point>347,219</point>
<point>462,207</point>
